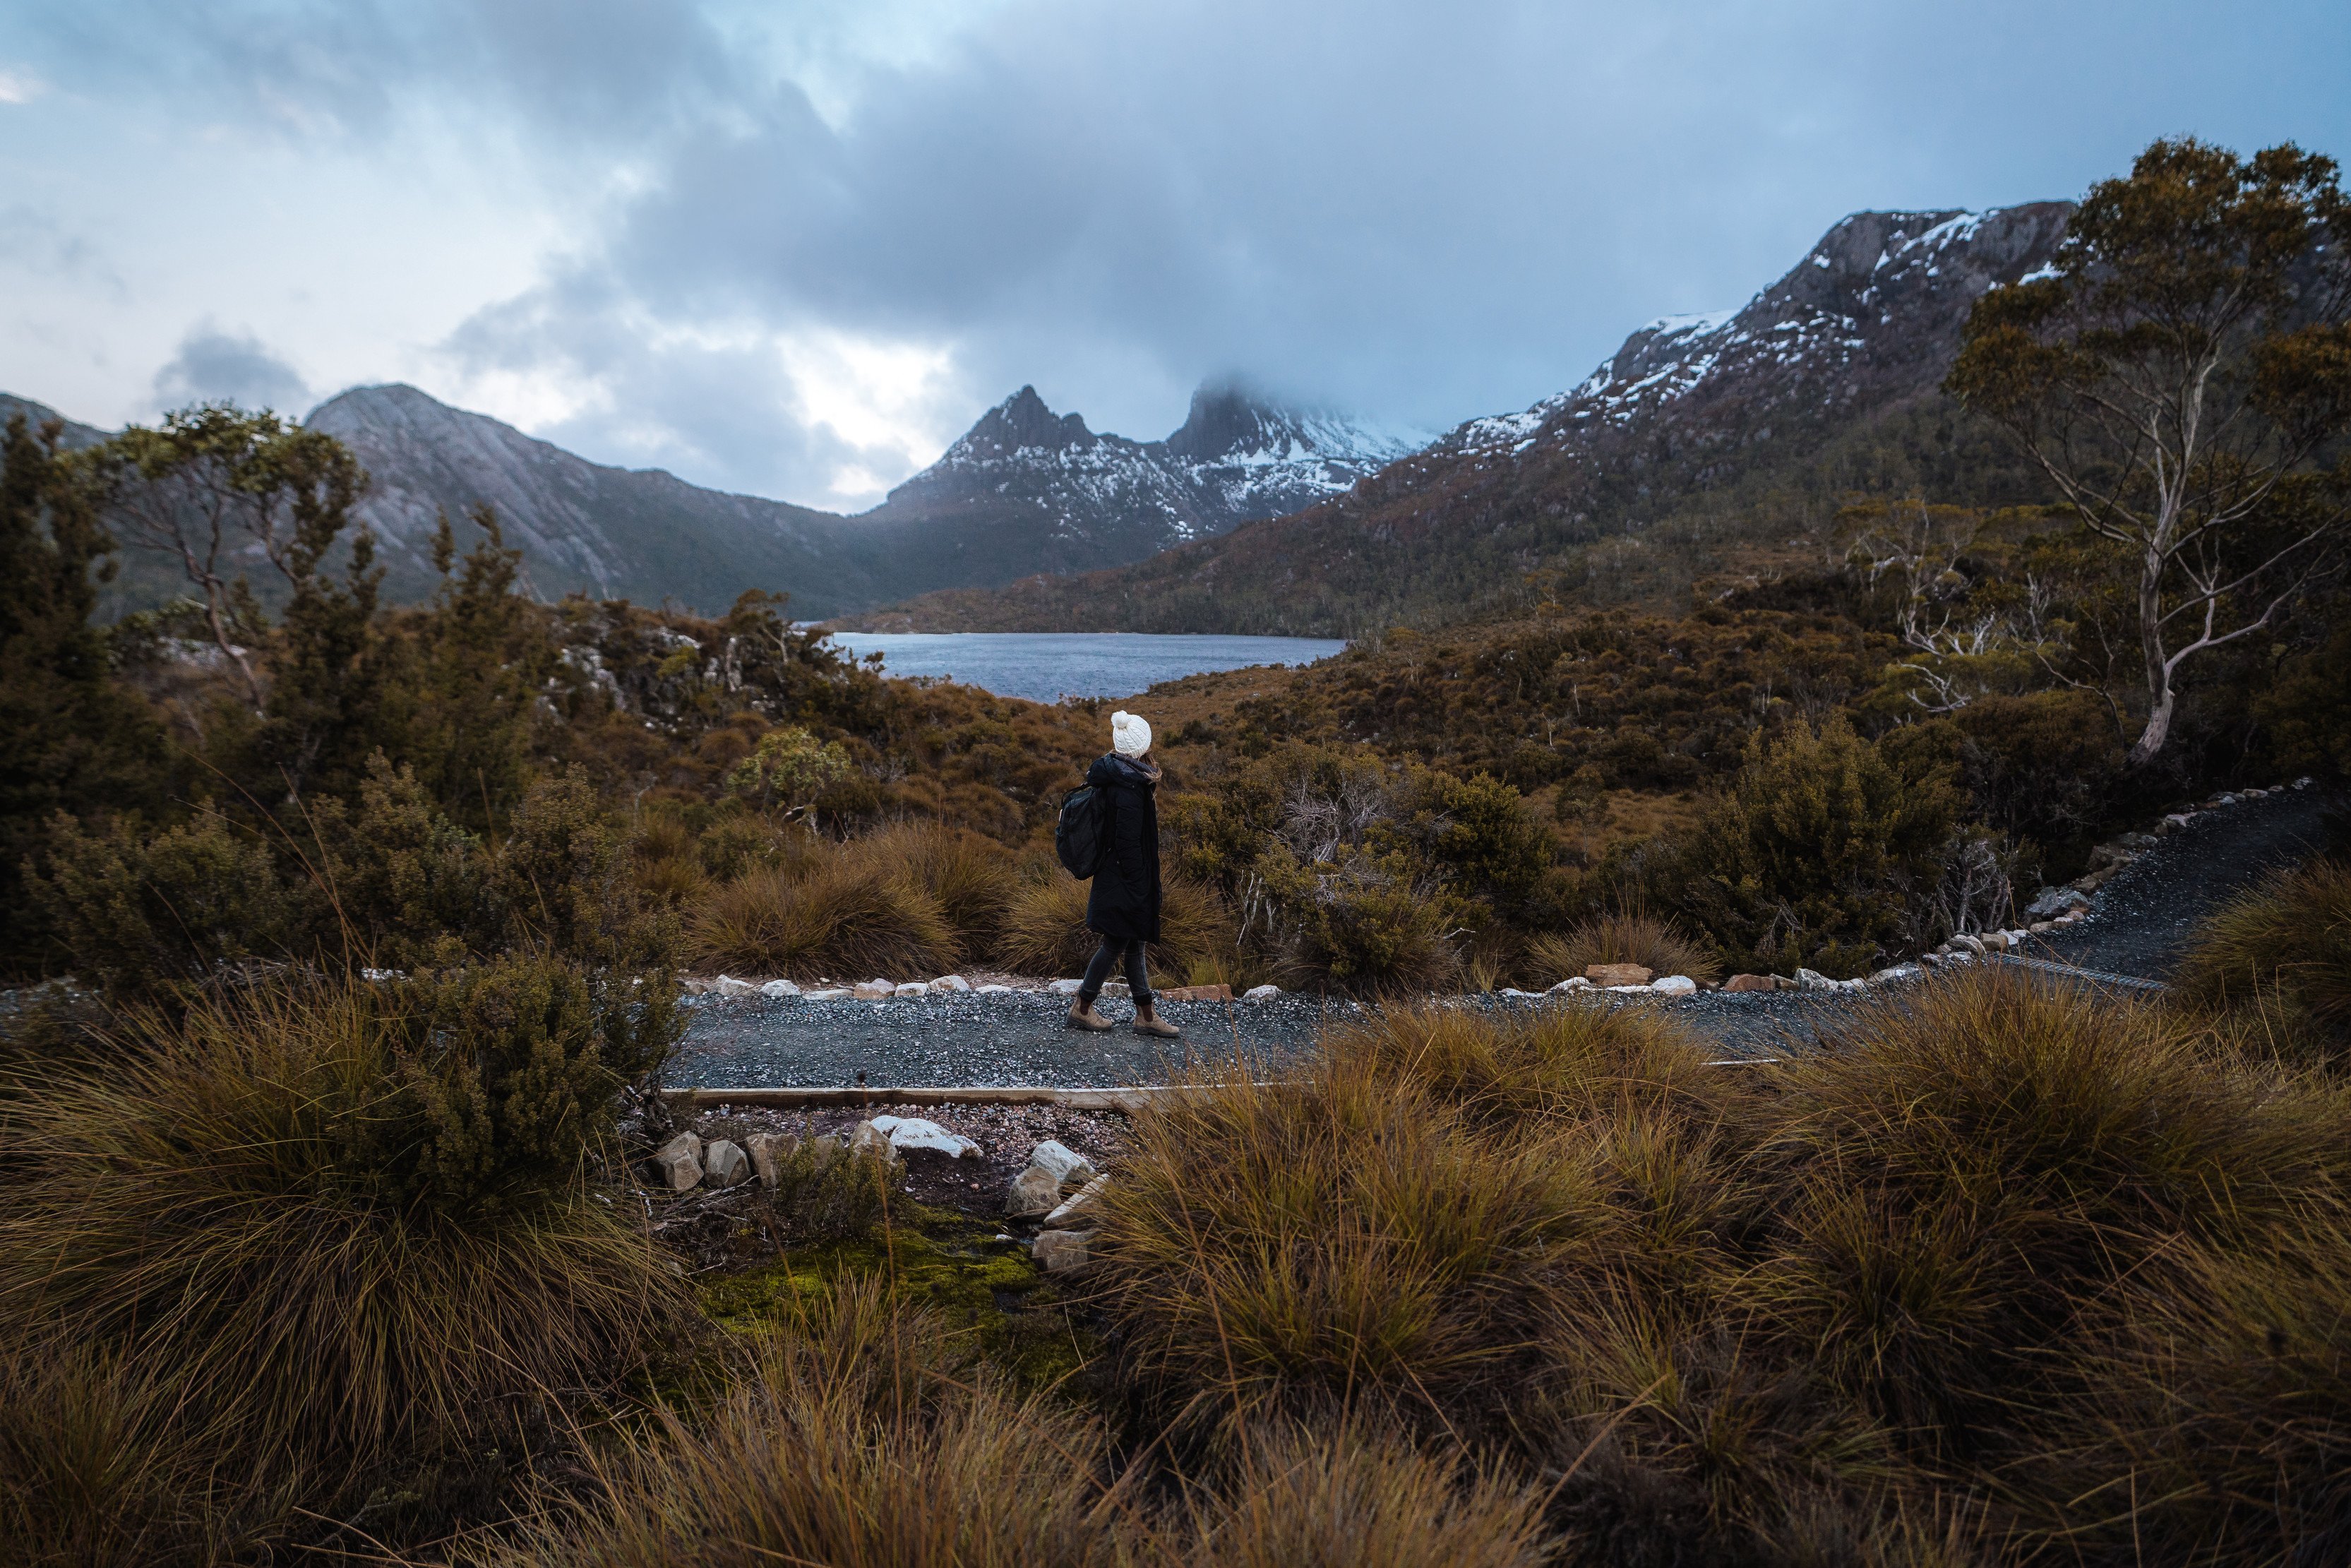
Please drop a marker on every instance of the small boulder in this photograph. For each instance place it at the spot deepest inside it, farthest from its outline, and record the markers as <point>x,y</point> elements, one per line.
<point>993,991</point>
<point>680,1160</point>
<point>769,1151</point>
<point>831,994</point>
<point>913,1132</point>
<point>1061,1251</point>
<point>725,1164</point>
<point>1572,983</point>
<point>1066,987</point>
<point>1066,1164</point>
<point>1897,973</point>
<point>947,983</point>
<point>728,986</point>
<point>1034,1191</point>
<point>1994,941</point>
<point>1813,980</point>
<point>1973,946</point>
<point>1674,986</point>
<point>1082,1199</point>
<point>1619,975</point>
<point>2040,927</point>
<point>870,1140</point>
<point>872,990</point>
<point>2052,902</point>
<point>1752,983</point>
<point>779,988</point>
<point>1261,993</point>
<point>912,989</point>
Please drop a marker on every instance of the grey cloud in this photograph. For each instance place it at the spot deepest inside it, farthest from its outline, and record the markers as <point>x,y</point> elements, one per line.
<point>1418,211</point>
<point>212,365</point>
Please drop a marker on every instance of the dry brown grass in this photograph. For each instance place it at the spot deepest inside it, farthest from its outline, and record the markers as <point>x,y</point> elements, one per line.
<point>1652,944</point>
<point>217,1233</point>
<point>2285,945</point>
<point>1999,1273</point>
<point>1044,931</point>
<point>845,916</point>
<point>860,1433</point>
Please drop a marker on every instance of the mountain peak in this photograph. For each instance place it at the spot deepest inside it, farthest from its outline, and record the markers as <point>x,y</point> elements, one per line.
<point>1021,423</point>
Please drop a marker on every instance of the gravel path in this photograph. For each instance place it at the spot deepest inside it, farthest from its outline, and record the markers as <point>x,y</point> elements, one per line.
<point>2140,922</point>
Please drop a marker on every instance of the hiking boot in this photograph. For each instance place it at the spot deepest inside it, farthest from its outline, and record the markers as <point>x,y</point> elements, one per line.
<point>1148,1021</point>
<point>1082,1016</point>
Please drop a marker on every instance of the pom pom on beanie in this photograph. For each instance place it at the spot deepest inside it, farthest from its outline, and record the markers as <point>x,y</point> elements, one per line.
<point>1129,735</point>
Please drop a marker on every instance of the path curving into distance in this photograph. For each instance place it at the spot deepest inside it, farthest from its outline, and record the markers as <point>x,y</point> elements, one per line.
<point>2139,924</point>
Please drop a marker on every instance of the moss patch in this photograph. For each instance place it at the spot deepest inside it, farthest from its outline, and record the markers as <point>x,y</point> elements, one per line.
<point>987,1288</point>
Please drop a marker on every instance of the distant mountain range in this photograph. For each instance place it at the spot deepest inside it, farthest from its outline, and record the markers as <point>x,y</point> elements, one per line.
<point>1700,438</point>
<point>1024,491</point>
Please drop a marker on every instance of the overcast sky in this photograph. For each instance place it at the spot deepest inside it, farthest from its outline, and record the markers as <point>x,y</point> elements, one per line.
<point>796,249</point>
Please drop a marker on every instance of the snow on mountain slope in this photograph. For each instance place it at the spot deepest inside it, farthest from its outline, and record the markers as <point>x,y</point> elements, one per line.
<point>1881,293</point>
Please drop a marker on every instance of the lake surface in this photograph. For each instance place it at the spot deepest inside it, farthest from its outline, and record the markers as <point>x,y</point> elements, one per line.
<point>1045,667</point>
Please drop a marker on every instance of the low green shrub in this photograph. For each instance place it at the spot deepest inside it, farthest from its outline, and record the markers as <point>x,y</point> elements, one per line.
<point>1821,854</point>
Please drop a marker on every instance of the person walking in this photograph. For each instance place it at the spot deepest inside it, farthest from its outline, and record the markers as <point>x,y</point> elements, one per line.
<point>1122,908</point>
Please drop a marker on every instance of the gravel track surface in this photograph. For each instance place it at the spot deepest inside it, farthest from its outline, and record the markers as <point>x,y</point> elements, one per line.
<point>2138,925</point>
<point>2140,922</point>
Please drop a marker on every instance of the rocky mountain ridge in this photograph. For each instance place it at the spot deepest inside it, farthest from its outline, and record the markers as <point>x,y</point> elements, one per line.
<point>1025,490</point>
<point>1826,382</point>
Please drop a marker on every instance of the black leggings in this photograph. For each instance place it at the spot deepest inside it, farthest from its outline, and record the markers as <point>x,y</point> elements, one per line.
<point>1138,979</point>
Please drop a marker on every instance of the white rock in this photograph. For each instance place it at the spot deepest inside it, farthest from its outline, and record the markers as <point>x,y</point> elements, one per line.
<point>1082,1199</point>
<point>1973,946</point>
<point>779,988</point>
<point>834,994</point>
<point>1630,990</point>
<point>1898,972</point>
<point>912,989</point>
<point>1514,991</point>
<point>1675,985</point>
<point>1066,987</point>
<point>769,1151</point>
<point>1572,983</point>
<point>725,1164</point>
<point>1061,1251</point>
<point>874,990</point>
<point>1813,980</point>
<point>728,986</point>
<point>993,991</point>
<point>1066,1164</point>
<point>680,1161</point>
<point>2178,819</point>
<point>1034,1191</point>
<point>1849,986</point>
<point>2304,782</point>
<point>869,1139</point>
<point>1261,993</point>
<point>950,983</point>
<point>913,1132</point>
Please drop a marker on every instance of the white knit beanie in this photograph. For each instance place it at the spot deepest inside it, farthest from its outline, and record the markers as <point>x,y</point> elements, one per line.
<point>1129,735</point>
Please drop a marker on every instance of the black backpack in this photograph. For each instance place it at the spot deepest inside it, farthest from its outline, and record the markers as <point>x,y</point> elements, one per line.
<point>1077,832</point>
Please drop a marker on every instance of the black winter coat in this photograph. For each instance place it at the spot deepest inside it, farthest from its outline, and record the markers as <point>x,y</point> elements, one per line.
<point>1124,903</point>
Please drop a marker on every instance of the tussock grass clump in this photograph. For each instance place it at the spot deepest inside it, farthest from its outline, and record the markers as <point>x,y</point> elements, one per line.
<point>972,877</point>
<point>1976,1170</point>
<point>1043,929</point>
<point>1301,1499</point>
<point>2286,943</point>
<point>843,915</point>
<point>1655,945</point>
<point>328,1244</point>
<point>859,1434</point>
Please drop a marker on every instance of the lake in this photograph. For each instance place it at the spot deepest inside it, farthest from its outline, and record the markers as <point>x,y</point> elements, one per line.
<point>1045,667</point>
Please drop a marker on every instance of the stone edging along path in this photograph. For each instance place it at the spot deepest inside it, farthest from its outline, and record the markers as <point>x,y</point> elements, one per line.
<point>2119,928</point>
